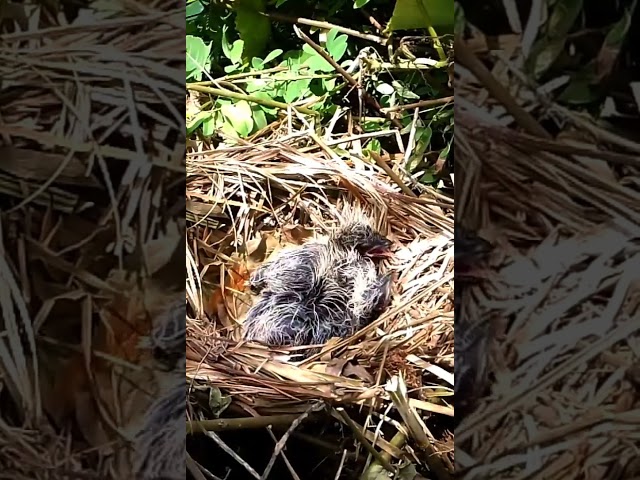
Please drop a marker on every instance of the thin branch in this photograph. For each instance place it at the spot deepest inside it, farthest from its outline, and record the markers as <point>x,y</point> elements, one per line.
<point>364,442</point>
<point>327,26</point>
<point>468,59</point>
<point>248,98</point>
<point>394,176</point>
<point>283,441</point>
<point>352,81</point>
<point>421,104</point>
<point>221,424</point>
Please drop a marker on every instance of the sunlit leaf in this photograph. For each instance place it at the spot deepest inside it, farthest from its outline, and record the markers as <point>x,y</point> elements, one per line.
<point>240,116</point>
<point>272,56</point>
<point>197,56</point>
<point>336,44</point>
<point>360,3</point>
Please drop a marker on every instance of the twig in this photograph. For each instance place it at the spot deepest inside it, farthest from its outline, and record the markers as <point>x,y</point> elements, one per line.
<point>233,454</point>
<point>468,59</point>
<point>364,442</point>
<point>253,73</point>
<point>344,456</point>
<point>372,20</point>
<point>398,392</point>
<point>292,471</point>
<point>348,77</point>
<point>249,98</point>
<point>327,26</point>
<point>222,424</point>
<point>196,471</point>
<point>421,104</point>
<point>394,176</point>
<point>283,441</point>
<point>602,134</point>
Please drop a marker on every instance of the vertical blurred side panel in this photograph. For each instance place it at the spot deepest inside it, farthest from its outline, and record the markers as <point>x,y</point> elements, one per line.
<point>92,217</point>
<point>547,228</point>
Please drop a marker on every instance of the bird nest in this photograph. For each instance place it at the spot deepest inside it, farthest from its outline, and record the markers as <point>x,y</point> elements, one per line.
<point>245,203</point>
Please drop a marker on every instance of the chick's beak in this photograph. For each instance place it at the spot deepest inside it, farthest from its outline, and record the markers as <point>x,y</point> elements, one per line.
<point>381,250</point>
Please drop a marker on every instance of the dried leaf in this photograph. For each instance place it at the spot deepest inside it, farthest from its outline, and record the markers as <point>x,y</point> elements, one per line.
<point>359,372</point>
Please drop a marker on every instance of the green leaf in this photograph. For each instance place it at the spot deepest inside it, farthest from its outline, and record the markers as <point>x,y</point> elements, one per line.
<point>197,56</point>
<point>360,3</point>
<point>329,84</point>
<point>610,50</point>
<point>194,8</point>
<point>374,146</point>
<point>235,53</point>
<point>385,89</point>
<point>259,118</point>
<point>336,44</point>
<point>296,90</point>
<point>408,472</point>
<point>444,153</point>
<point>580,90</point>
<point>563,17</point>
<point>226,44</point>
<point>429,177</point>
<point>377,472</point>
<point>544,53</point>
<point>210,125</point>
<point>257,63</point>
<point>265,96</point>
<point>404,91</point>
<point>315,62</point>
<point>196,121</point>
<point>272,56</point>
<point>218,402</point>
<point>410,14</point>
<point>423,141</point>
<point>240,116</point>
<point>253,27</point>
<point>257,85</point>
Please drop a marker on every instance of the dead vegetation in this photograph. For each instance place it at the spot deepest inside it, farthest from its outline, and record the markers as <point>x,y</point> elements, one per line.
<point>88,230</point>
<point>561,294</point>
<point>395,376</point>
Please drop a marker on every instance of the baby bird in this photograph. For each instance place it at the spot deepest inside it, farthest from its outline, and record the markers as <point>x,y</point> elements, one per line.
<point>323,289</point>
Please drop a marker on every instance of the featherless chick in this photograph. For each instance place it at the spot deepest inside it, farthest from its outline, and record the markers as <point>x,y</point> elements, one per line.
<point>322,289</point>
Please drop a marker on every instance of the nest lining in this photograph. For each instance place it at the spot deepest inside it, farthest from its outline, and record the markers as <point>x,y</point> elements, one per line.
<point>271,196</point>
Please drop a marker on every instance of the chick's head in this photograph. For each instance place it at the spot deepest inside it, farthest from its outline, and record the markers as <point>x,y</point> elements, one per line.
<point>362,237</point>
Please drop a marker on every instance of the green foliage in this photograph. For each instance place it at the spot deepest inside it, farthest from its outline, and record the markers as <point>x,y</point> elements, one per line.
<point>258,61</point>
<point>549,47</point>
<point>197,57</point>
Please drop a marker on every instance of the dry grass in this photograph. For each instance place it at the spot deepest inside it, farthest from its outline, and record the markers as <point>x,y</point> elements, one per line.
<point>269,195</point>
<point>83,107</point>
<point>563,297</point>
